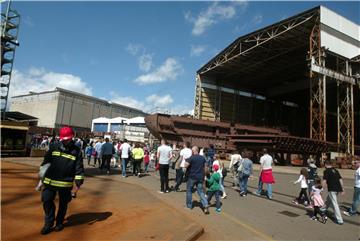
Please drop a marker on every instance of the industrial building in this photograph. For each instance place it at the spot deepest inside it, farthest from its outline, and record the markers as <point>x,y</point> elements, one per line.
<point>300,74</point>
<point>133,129</point>
<point>61,107</point>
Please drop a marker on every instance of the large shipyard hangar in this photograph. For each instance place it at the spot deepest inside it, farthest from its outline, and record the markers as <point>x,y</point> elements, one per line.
<point>300,75</point>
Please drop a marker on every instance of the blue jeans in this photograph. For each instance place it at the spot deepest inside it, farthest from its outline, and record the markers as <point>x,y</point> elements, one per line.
<point>179,178</point>
<point>243,180</point>
<point>199,187</point>
<point>269,188</point>
<point>356,201</point>
<point>123,166</point>
<point>217,194</point>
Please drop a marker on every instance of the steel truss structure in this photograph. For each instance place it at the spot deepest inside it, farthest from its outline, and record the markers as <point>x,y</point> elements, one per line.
<point>319,74</point>
<point>262,64</point>
<point>245,45</point>
<point>10,21</point>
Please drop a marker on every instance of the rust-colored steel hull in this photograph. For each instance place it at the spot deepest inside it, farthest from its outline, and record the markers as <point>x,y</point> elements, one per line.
<point>228,137</point>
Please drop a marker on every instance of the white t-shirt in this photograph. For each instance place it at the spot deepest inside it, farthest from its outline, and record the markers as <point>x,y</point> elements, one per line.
<point>185,153</point>
<point>357,178</point>
<point>125,148</point>
<point>303,183</point>
<point>164,154</point>
<point>234,159</point>
<point>266,162</point>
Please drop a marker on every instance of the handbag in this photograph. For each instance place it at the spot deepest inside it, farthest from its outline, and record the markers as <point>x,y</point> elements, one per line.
<point>224,172</point>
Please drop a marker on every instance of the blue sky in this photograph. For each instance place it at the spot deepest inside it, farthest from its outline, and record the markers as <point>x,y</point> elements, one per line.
<point>143,54</point>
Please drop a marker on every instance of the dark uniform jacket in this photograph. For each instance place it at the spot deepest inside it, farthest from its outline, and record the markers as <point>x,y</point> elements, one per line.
<point>66,165</point>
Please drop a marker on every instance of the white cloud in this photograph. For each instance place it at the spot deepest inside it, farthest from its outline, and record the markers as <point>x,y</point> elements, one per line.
<point>134,49</point>
<point>143,57</point>
<point>145,62</point>
<point>257,19</point>
<point>39,79</point>
<point>215,13</point>
<point>28,21</point>
<point>150,104</point>
<point>197,50</point>
<point>159,101</point>
<point>169,70</point>
<point>181,110</point>
<point>127,101</point>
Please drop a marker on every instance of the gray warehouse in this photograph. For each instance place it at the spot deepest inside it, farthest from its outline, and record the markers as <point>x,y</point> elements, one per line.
<point>61,107</point>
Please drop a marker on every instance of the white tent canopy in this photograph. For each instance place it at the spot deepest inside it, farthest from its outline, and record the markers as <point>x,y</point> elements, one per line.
<point>136,120</point>
<point>118,120</point>
<point>101,120</point>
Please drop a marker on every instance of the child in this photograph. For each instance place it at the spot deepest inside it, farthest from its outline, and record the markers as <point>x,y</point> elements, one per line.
<point>312,170</point>
<point>318,201</point>
<point>303,183</point>
<point>213,183</point>
<point>152,160</point>
<point>88,152</point>
<point>146,161</point>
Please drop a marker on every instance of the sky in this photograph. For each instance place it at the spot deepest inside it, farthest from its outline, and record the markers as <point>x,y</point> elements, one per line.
<point>141,54</point>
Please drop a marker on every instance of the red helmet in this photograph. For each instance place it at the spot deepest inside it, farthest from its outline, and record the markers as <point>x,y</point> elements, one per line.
<point>66,133</point>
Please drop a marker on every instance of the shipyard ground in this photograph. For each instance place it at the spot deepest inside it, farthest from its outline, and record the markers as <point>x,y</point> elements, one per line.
<point>110,207</point>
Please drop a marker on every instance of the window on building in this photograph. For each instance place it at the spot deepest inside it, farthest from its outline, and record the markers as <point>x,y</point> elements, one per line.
<point>116,127</point>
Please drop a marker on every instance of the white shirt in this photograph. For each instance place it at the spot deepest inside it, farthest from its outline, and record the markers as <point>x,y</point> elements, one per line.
<point>98,147</point>
<point>302,179</point>
<point>125,148</point>
<point>185,154</point>
<point>266,162</point>
<point>357,178</point>
<point>164,154</point>
<point>234,159</point>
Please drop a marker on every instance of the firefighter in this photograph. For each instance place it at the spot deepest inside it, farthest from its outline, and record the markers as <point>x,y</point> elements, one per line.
<point>66,165</point>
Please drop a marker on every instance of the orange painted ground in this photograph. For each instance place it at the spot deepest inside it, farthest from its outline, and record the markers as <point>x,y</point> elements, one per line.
<point>104,210</point>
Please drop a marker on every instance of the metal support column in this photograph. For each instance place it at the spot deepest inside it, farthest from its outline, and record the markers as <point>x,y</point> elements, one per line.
<point>345,112</point>
<point>317,87</point>
<point>198,93</point>
<point>218,102</point>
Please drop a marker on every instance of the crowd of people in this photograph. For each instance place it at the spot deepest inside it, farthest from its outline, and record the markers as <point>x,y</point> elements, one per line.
<point>202,170</point>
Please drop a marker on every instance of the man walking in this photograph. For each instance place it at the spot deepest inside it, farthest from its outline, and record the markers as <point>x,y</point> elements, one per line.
<point>266,175</point>
<point>196,174</point>
<point>66,165</point>
<point>107,151</point>
<point>125,151</point>
<point>333,180</point>
<point>164,156</point>
<point>185,154</point>
<point>356,196</point>
<point>98,152</point>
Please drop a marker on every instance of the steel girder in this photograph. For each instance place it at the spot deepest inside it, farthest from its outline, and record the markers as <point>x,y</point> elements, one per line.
<point>10,21</point>
<point>317,86</point>
<point>245,45</point>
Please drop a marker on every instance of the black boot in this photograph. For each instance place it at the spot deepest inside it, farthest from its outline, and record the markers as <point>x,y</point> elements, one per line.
<point>59,227</point>
<point>46,229</point>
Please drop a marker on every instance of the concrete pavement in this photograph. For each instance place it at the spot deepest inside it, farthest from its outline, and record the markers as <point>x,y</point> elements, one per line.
<point>252,217</point>
<point>106,209</point>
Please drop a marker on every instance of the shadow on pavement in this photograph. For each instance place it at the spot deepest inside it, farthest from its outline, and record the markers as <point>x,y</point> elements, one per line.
<point>86,218</point>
